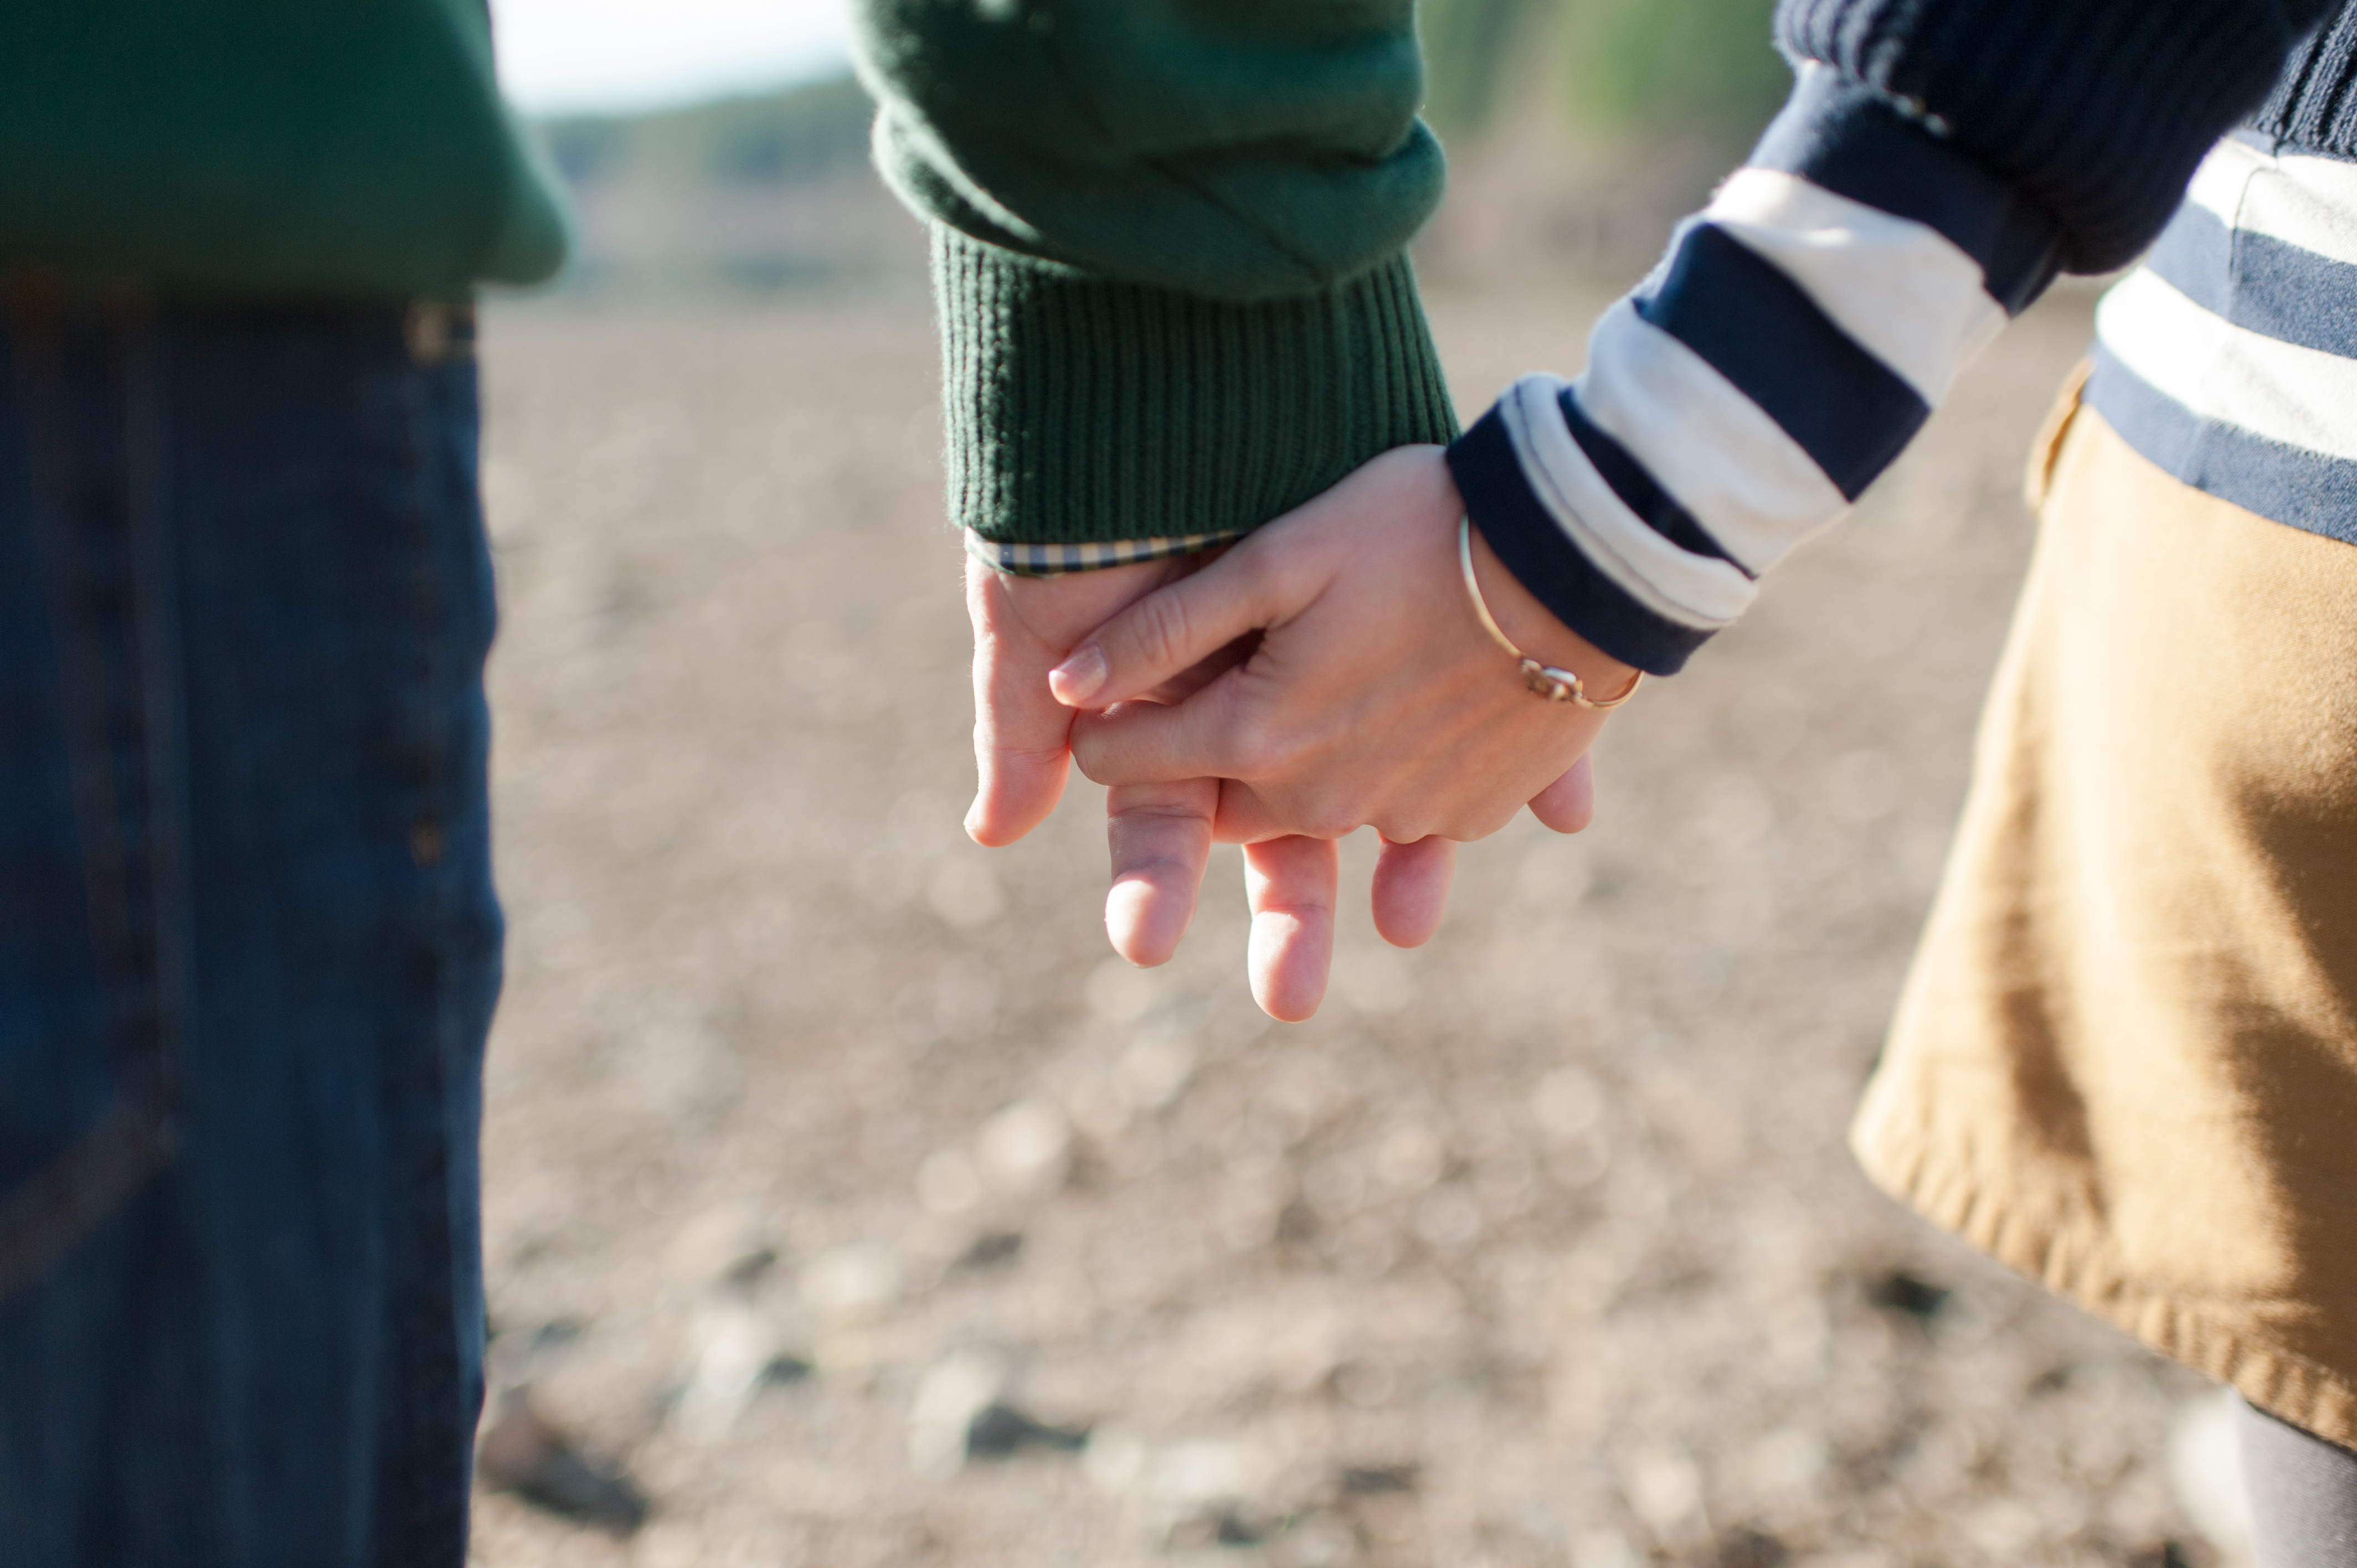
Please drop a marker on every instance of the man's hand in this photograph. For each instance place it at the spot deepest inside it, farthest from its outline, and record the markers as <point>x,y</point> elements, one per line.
<point>1022,736</point>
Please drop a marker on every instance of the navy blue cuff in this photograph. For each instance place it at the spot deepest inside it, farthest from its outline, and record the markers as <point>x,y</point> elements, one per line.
<point>1850,139</point>
<point>2094,110</point>
<point>1534,548</point>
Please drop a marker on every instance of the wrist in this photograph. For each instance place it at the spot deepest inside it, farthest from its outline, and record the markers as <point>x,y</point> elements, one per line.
<point>1531,626</point>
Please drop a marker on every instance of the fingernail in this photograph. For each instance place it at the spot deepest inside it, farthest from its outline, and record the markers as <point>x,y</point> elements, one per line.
<point>1077,678</point>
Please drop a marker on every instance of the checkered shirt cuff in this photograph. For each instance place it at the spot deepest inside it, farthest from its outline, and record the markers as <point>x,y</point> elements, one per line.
<point>1055,560</point>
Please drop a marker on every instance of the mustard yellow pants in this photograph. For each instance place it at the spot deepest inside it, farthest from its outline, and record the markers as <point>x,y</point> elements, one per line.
<point>2126,1060</point>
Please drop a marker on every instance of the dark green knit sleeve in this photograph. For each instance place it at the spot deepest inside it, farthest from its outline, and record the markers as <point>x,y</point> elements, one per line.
<point>1169,250</point>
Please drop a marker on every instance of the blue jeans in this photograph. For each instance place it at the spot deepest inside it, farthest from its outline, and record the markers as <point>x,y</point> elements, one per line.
<point>248,941</point>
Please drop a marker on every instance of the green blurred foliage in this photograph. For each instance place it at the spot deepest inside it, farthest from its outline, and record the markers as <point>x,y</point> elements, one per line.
<point>770,138</point>
<point>1620,68</point>
<point>1467,48</point>
<point>1656,65</point>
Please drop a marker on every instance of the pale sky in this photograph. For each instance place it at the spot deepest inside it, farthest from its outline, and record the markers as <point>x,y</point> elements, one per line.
<point>572,56</point>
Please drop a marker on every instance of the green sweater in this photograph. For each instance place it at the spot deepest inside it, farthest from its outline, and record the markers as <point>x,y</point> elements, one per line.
<point>1169,233</point>
<point>1168,250</point>
<point>267,148</point>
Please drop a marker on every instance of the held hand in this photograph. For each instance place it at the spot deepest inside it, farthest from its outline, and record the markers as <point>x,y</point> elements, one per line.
<point>1160,834</point>
<point>1374,695</point>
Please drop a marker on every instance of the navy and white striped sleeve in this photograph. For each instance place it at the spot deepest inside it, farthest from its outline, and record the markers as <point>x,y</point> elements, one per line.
<point>1796,336</point>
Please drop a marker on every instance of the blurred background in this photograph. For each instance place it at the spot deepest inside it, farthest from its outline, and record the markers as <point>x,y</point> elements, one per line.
<point>719,147</point>
<point>848,1204</point>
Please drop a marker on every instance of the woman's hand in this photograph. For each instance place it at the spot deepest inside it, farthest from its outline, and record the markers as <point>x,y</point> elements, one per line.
<point>1374,695</point>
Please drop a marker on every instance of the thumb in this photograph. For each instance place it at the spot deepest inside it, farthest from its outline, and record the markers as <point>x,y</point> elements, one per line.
<point>1178,626</point>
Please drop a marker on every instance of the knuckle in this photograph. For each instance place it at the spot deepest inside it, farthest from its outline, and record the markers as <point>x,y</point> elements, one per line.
<point>1332,825</point>
<point>1254,750</point>
<point>1332,819</point>
<point>1480,823</point>
<point>1154,815</point>
<point>1162,628</point>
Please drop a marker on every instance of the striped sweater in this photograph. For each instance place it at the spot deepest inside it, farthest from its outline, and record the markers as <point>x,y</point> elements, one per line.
<point>2229,357</point>
<point>1803,327</point>
<point>1793,340</point>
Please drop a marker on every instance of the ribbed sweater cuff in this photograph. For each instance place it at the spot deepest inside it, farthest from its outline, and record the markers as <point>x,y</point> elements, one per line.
<point>1084,409</point>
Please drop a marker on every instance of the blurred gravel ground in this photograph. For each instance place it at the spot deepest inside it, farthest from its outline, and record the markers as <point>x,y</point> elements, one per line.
<point>838,1179</point>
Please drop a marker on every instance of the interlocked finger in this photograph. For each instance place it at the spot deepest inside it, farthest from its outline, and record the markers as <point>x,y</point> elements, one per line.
<point>1290,885</point>
<point>1411,889</point>
<point>1160,837</point>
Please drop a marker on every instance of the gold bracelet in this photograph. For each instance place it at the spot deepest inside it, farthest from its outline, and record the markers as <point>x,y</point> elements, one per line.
<point>1555,685</point>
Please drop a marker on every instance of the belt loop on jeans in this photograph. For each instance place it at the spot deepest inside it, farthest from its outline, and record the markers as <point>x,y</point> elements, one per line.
<point>438,331</point>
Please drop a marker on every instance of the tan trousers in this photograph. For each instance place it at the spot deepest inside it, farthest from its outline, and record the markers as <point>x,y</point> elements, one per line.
<point>2126,1060</point>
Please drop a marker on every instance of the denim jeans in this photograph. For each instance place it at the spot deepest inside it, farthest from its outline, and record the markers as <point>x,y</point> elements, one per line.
<point>248,941</point>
